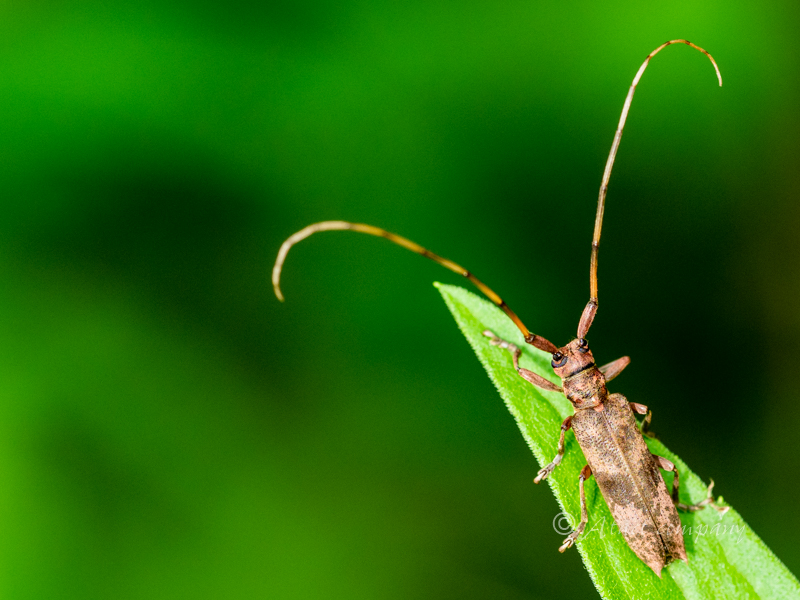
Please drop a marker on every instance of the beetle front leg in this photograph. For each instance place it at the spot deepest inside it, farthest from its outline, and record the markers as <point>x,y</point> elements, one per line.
<point>543,473</point>
<point>668,465</point>
<point>613,369</point>
<point>586,472</point>
<point>527,375</point>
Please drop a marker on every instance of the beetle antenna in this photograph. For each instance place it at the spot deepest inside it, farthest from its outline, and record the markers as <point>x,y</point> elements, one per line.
<point>591,308</point>
<point>530,338</point>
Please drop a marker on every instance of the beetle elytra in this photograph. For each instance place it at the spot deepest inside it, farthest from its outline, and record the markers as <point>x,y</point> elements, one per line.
<point>627,474</point>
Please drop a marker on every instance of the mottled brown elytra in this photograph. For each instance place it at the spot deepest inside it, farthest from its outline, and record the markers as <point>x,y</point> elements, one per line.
<point>626,472</point>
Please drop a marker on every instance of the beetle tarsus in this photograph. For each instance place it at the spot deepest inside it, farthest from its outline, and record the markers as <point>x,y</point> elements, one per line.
<point>500,343</point>
<point>569,541</point>
<point>707,501</point>
<point>543,473</point>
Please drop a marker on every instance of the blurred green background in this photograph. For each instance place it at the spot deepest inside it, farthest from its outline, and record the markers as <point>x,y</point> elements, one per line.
<point>170,430</point>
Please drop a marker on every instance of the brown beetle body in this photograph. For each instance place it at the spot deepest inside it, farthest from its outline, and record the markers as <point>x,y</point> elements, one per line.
<point>626,472</point>
<point>629,479</point>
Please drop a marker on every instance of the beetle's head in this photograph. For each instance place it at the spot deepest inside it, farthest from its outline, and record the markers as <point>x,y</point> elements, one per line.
<point>572,358</point>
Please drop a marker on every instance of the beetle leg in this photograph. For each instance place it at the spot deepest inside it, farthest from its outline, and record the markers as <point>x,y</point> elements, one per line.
<point>709,499</point>
<point>542,474</point>
<point>613,369</point>
<point>638,408</point>
<point>643,410</point>
<point>586,472</point>
<point>527,375</point>
<point>645,426</point>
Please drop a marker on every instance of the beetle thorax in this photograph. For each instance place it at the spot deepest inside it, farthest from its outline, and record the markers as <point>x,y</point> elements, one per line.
<point>584,384</point>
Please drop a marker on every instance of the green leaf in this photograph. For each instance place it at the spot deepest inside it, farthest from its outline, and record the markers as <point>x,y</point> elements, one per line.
<point>726,558</point>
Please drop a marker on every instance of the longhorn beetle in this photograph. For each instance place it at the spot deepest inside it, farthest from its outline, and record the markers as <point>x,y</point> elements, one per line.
<point>626,472</point>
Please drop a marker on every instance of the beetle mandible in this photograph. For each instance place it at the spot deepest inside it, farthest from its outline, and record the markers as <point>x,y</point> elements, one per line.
<point>604,425</point>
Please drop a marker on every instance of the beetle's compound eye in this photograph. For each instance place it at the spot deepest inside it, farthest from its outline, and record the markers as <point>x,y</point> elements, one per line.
<point>559,360</point>
<point>583,345</point>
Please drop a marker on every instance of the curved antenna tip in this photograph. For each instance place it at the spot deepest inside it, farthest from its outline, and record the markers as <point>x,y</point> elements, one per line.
<point>293,239</point>
<point>276,270</point>
<point>696,47</point>
<point>716,68</point>
<point>276,283</point>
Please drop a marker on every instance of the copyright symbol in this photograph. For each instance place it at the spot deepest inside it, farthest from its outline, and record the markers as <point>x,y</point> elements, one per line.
<point>561,524</point>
